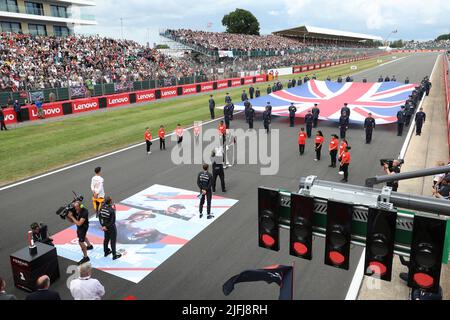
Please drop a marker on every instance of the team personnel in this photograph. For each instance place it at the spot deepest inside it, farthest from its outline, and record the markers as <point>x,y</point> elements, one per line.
<point>247,105</point>
<point>380,79</point>
<point>2,120</point>
<point>267,119</point>
<point>409,114</point>
<point>80,217</point>
<point>292,111</point>
<point>231,111</point>
<point>227,98</point>
<point>107,218</point>
<point>342,147</point>
<point>339,79</point>
<point>343,125</point>
<point>148,139</point>
<point>244,96</point>
<point>251,91</point>
<point>217,162</point>
<point>162,138</point>
<point>345,109</point>
<point>407,80</point>
<point>269,89</point>
<point>227,115</point>
<point>98,191</point>
<point>251,117</point>
<point>369,125</point>
<point>319,143</point>
<point>257,93</point>
<point>401,117</point>
<point>345,163</point>
<point>204,182</point>
<point>420,120</point>
<point>309,120</point>
<point>315,112</point>
<point>179,132</point>
<point>197,130</point>
<point>428,86</point>
<point>212,105</point>
<point>302,141</point>
<point>269,107</point>
<point>18,110</point>
<point>222,132</point>
<point>333,148</point>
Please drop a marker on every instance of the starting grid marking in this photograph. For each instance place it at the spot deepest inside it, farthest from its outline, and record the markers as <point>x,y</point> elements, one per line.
<point>152,225</point>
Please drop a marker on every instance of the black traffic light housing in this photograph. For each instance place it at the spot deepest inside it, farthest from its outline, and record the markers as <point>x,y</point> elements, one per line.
<point>338,234</point>
<point>427,248</point>
<point>380,240</point>
<point>301,228</point>
<point>268,218</point>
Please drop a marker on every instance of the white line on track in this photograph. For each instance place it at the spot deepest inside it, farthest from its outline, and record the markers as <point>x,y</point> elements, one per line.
<point>358,276</point>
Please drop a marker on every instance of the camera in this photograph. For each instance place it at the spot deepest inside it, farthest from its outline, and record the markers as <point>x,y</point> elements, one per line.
<point>390,162</point>
<point>62,212</point>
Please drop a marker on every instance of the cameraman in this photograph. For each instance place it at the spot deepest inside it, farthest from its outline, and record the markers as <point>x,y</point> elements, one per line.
<point>107,217</point>
<point>40,233</point>
<point>391,170</point>
<point>80,217</point>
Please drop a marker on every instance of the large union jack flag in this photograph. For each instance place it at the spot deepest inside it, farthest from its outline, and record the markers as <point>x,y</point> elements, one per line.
<point>383,100</point>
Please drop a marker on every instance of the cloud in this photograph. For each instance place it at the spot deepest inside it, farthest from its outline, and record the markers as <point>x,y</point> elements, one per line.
<point>274,13</point>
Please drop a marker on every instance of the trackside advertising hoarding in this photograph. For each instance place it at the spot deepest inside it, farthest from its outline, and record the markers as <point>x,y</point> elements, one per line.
<point>50,110</point>
<point>189,89</point>
<point>168,92</point>
<point>84,105</point>
<point>10,115</point>
<point>206,86</point>
<point>145,96</point>
<point>117,100</point>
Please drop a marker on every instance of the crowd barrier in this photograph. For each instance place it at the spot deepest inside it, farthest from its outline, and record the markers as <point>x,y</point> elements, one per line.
<point>447,94</point>
<point>62,108</point>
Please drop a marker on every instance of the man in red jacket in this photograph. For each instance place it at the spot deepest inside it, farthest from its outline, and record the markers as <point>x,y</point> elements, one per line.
<point>333,148</point>
<point>148,139</point>
<point>345,163</point>
<point>223,132</point>
<point>162,138</point>
<point>302,141</point>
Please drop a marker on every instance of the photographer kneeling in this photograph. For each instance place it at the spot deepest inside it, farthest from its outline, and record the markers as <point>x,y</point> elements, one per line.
<point>390,170</point>
<point>40,233</point>
<point>80,217</point>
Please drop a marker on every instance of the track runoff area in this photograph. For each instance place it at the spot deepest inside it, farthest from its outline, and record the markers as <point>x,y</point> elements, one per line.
<point>189,259</point>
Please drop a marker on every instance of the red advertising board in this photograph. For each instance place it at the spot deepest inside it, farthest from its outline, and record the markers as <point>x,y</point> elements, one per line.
<point>10,115</point>
<point>248,80</point>
<point>296,69</point>
<point>84,105</point>
<point>317,66</point>
<point>145,96</point>
<point>261,78</point>
<point>189,89</point>
<point>117,100</point>
<point>222,84</point>
<point>304,68</point>
<point>323,65</point>
<point>236,82</point>
<point>168,92</point>
<point>206,86</point>
<point>50,110</point>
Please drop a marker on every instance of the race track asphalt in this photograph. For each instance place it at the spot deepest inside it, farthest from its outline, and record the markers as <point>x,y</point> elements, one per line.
<point>229,245</point>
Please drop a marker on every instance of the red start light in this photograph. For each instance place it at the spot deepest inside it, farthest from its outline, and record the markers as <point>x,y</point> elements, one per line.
<point>268,240</point>
<point>336,258</point>
<point>300,248</point>
<point>423,280</point>
<point>377,268</point>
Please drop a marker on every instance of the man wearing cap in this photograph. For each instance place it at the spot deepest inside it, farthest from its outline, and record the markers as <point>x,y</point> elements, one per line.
<point>420,120</point>
<point>315,112</point>
<point>401,117</point>
<point>309,119</point>
<point>345,109</point>
<point>292,111</point>
<point>369,125</point>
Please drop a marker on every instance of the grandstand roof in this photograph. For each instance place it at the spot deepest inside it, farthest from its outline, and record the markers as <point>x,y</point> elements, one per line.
<point>323,33</point>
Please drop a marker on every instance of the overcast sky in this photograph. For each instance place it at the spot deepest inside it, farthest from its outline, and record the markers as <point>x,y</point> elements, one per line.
<point>143,19</point>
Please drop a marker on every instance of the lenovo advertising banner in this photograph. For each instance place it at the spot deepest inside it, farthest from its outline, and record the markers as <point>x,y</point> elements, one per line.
<point>10,115</point>
<point>222,84</point>
<point>117,100</point>
<point>145,96</point>
<point>169,92</point>
<point>84,105</point>
<point>261,78</point>
<point>297,69</point>
<point>206,86</point>
<point>50,110</point>
<point>236,82</point>
<point>189,89</point>
<point>248,80</point>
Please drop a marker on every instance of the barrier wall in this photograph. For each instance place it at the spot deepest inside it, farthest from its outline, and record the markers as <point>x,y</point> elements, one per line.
<point>61,108</point>
<point>447,94</point>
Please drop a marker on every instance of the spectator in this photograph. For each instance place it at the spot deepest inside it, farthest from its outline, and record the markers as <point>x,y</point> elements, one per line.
<point>43,292</point>
<point>3,294</point>
<point>86,288</point>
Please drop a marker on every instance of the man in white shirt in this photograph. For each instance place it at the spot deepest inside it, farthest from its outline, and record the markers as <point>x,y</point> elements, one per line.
<point>86,288</point>
<point>98,192</point>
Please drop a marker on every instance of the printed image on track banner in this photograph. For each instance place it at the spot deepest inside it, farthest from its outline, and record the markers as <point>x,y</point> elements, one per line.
<point>50,111</point>
<point>10,115</point>
<point>117,100</point>
<point>168,92</point>
<point>222,84</point>
<point>152,225</point>
<point>236,82</point>
<point>208,86</point>
<point>84,105</point>
<point>189,89</point>
<point>145,96</point>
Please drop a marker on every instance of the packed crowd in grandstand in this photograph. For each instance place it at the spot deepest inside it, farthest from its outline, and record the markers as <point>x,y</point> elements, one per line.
<point>432,44</point>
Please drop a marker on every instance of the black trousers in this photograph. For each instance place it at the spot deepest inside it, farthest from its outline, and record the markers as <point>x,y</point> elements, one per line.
<point>227,122</point>
<point>344,168</point>
<point>180,140</point>
<point>211,110</point>
<point>292,121</point>
<point>400,129</point>
<point>309,129</point>
<point>318,152</point>
<point>250,123</point>
<point>407,121</point>
<point>369,135</point>
<point>333,156</point>
<point>207,197</point>
<point>110,236</point>
<point>162,143</point>
<point>149,144</point>
<point>19,116</point>
<point>343,132</point>
<point>301,148</point>
<point>419,125</point>
<point>315,121</point>
<point>218,172</point>
<point>2,124</point>
<point>428,92</point>
<point>266,126</point>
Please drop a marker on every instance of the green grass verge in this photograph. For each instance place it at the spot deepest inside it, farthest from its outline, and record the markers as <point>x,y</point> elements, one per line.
<point>34,149</point>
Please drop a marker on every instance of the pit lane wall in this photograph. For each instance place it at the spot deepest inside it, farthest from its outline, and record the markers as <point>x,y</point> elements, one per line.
<point>62,108</point>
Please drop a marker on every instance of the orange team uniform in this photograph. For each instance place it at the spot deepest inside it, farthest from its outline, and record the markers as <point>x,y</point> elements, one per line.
<point>346,158</point>
<point>302,138</point>
<point>342,149</point>
<point>179,133</point>
<point>320,139</point>
<point>162,133</point>
<point>147,136</point>
<point>334,144</point>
